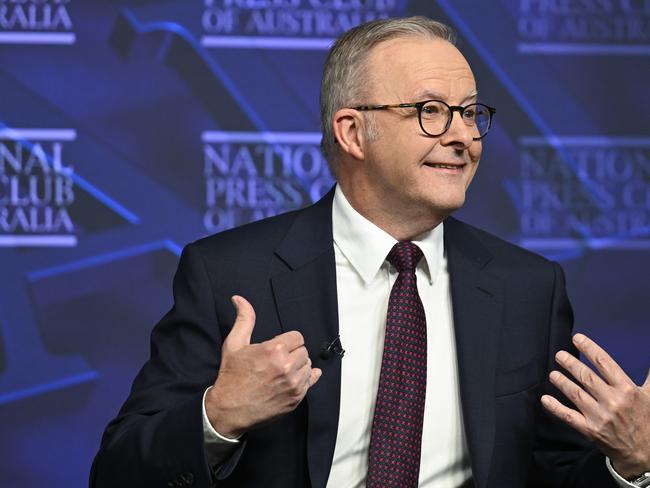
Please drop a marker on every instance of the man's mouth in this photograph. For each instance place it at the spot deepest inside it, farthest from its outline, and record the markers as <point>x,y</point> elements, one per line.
<point>453,166</point>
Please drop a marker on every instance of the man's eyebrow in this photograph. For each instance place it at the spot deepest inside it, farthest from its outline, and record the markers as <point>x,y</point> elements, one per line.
<point>428,95</point>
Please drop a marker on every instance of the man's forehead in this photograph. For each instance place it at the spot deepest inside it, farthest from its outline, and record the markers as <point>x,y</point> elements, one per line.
<point>422,67</point>
<point>417,48</point>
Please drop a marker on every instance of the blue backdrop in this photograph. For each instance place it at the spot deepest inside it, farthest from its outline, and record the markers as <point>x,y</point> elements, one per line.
<point>129,128</point>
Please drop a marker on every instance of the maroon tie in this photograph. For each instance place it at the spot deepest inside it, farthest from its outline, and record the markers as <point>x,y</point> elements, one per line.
<point>394,453</point>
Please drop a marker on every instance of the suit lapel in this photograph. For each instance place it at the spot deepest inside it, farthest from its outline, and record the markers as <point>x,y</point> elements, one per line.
<point>477,298</point>
<point>304,289</point>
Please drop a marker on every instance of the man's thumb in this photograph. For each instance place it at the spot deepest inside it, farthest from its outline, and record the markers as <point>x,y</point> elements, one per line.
<point>242,329</point>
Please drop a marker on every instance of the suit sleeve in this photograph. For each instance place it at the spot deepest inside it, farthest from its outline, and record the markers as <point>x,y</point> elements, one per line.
<point>157,437</point>
<point>562,456</point>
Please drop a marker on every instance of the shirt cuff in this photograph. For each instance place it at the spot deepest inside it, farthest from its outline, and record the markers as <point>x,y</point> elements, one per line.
<point>620,481</point>
<point>217,447</point>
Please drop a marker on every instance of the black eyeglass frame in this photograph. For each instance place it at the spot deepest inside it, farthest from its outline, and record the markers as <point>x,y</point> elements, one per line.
<point>420,105</point>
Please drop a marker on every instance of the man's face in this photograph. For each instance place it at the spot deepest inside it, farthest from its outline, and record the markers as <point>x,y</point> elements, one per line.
<point>412,172</point>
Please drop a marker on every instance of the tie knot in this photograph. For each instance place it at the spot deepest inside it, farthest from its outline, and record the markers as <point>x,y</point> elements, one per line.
<point>404,256</point>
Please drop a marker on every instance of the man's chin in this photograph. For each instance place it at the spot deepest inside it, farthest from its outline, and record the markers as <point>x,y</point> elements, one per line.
<point>448,206</point>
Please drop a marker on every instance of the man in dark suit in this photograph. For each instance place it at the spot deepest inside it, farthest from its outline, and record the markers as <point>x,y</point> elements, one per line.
<point>450,333</point>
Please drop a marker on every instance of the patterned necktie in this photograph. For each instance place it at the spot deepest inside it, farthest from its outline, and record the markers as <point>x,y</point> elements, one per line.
<point>394,453</point>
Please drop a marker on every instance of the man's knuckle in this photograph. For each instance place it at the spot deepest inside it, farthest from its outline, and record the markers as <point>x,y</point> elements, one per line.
<point>586,378</point>
<point>296,336</point>
<point>277,367</point>
<point>292,384</point>
<point>601,360</point>
<point>596,425</point>
<point>629,392</point>
<point>295,400</point>
<point>285,368</point>
<point>277,348</point>
<point>606,420</point>
<point>613,406</point>
<point>575,395</point>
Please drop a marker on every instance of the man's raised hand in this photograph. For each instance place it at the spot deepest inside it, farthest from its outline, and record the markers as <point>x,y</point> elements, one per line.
<point>611,410</point>
<point>257,383</point>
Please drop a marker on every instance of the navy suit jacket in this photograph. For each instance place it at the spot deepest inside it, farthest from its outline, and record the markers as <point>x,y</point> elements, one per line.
<point>511,315</point>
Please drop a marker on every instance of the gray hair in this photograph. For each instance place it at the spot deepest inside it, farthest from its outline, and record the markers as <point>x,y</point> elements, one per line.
<point>345,79</point>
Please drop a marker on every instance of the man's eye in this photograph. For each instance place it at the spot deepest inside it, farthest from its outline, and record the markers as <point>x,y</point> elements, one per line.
<point>431,110</point>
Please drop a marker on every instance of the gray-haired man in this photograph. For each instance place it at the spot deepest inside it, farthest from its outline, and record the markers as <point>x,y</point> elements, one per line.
<point>450,333</point>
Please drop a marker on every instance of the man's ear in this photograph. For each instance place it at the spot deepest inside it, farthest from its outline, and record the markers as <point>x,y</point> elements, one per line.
<point>349,132</point>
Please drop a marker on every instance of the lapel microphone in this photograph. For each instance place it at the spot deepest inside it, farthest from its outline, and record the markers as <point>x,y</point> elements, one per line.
<point>332,349</point>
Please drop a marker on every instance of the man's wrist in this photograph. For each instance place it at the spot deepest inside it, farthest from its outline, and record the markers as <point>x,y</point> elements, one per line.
<point>217,430</point>
<point>642,480</point>
<point>218,448</point>
<point>632,469</point>
<point>625,482</point>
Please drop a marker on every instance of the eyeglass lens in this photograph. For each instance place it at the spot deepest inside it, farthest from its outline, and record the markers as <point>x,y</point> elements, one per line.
<point>436,116</point>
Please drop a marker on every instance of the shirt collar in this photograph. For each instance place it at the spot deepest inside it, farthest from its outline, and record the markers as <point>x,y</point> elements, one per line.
<point>366,246</point>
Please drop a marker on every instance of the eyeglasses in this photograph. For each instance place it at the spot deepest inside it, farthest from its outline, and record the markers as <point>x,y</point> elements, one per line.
<point>435,116</point>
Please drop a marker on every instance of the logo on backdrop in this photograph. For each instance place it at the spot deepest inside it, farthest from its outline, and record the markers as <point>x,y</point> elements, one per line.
<point>252,175</point>
<point>585,191</point>
<point>36,188</point>
<point>36,22</point>
<point>584,27</point>
<point>288,24</point>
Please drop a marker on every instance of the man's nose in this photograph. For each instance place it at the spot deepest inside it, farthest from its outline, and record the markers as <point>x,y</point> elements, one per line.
<point>459,133</point>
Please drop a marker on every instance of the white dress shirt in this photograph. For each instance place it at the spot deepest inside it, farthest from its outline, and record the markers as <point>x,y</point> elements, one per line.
<point>364,279</point>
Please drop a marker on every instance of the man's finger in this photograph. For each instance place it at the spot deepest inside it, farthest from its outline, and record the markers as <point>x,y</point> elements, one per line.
<point>585,402</point>
<point>292,340</point>
<point>611,371</point>
<point>315,375</point>
<point>297,360</point>
<point>300,357</point>
<point>312,376</point>
<point>581,372</point>
<point>242,329</point>
<point>565,414</point>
